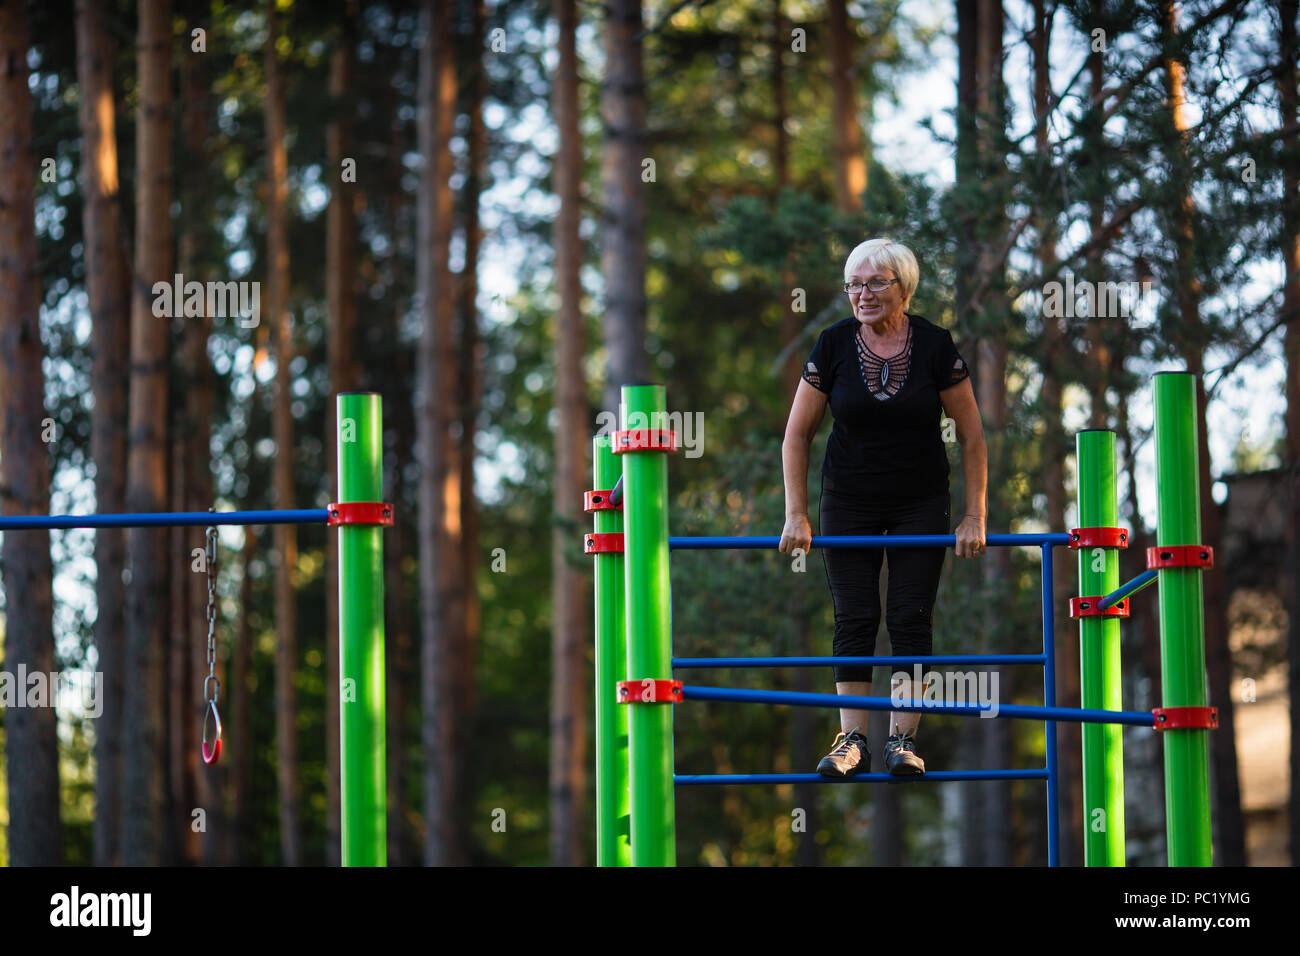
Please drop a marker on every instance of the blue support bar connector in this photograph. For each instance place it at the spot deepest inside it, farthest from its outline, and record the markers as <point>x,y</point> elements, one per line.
<point>937,660</point>
<point>937,776</point>
<point>165,519</point>
<point>707,543</point>
<point>1144,579</point>
<point>1136,718</point>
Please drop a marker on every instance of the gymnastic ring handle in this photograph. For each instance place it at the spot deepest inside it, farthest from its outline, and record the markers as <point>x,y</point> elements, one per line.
<point>211,751</point>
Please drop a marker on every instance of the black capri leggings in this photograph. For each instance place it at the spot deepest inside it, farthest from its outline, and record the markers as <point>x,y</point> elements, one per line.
<point>854,575</point>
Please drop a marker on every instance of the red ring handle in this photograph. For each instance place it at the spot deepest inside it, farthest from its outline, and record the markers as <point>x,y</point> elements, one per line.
<point>212,751</point>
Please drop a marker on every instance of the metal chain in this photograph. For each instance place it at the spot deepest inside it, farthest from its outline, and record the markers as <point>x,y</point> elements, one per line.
<point>212,686</point>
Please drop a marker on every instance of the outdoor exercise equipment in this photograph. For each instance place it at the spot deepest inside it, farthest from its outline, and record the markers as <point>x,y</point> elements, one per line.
<point>360,516</point>
<point>635,690</point>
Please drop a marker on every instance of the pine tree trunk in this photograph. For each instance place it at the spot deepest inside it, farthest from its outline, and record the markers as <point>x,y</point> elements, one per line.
<point>1288,83</point>
<point>570,626</point>
<point>240,847</point>
<point>147,548</point>
<point>109,293</point>
<point>439,474</point>
<point>199,402</point>
<point>1097,357</point>
<point>341,346</point>
<point>991,393</point>
<point>1055,450</point>
<point>181,845</point>
<point>397,646</point>
<point>470,353</point>
<point>286,539</point>
<point>623,256</point>
<point>1229,825</point>
<point>967,171</point>
<point>804,721</point>
<point>846,131</point>
<point>31,746</point>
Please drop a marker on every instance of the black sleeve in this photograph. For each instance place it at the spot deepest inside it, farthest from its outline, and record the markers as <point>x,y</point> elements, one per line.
<point>818,371</point>
<point>949,367</point>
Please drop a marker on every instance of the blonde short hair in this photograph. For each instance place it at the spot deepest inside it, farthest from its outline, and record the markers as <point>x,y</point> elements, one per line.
<point>884,253</point>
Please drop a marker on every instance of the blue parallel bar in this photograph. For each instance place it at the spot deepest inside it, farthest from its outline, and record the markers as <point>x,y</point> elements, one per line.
<point>935,659</point>
<point>1137,718</point>
<point>936,776</point>
<point>1143,580</point>
<point>165,519</point>
<point>707,543</point>
<point>1049,698</point>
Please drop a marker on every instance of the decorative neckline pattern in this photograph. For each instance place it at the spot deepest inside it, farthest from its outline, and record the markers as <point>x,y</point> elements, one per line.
<point>884,377</point>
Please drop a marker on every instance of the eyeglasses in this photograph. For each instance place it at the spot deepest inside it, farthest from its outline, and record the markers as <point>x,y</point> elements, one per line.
<point>875,285</point>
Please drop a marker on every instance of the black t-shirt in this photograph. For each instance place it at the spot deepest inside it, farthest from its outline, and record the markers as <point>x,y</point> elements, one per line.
<point>886,441</point>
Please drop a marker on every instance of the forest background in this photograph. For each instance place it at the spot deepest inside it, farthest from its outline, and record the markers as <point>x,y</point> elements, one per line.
<point>494,214</point>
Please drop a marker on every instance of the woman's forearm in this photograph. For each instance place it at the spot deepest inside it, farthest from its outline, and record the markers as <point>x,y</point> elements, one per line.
<point>794,460</point>
<point>975,466</point>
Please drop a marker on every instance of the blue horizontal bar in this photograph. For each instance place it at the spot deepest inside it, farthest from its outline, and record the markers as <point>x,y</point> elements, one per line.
<point>936,659</point>
<point>1137,718</point>
<point>707,543</point>
<point>165,519</point>
<point>1130,587</point>
<point>936,776</point>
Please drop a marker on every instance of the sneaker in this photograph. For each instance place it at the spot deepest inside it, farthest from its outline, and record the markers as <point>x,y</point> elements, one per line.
<point>900,756</point>
<point>849,756</point>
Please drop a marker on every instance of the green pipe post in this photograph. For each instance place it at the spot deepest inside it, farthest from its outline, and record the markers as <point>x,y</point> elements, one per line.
<point>613,837</point>
<point>649,638</point>
<point>1182,620</point>
<point>1099,656</point>
<point>361,635</point>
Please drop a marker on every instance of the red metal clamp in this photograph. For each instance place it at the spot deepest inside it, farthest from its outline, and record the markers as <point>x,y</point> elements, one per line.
<point>1098,538</point>
<point>598,501</point>
<point>605,542</point>
<point>360,512</point>
<point>1087,607</point>
<point>1186,718</point>
<point>644,439</point>
<point>649,691</point>
<point>1180,556</point>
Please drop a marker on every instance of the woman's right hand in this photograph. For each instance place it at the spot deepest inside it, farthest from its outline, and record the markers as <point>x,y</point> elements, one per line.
<point>797,533</point>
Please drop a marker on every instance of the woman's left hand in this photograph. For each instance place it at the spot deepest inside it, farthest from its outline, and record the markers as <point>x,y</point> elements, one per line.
<point>970,537</point>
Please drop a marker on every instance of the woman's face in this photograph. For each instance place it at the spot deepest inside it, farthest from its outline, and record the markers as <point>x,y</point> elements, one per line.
<point>871,307</point>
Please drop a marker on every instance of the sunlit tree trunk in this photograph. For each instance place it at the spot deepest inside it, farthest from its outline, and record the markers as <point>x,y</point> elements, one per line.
<point>146,601</point>
<point>846,131</point>
<point>108,290</point>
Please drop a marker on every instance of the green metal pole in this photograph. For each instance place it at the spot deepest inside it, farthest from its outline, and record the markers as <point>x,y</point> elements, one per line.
<point>649,639</point>
<point>1182,620</point>
<point>613,837</point>
<point>1099,656</point>
<point>361,635</point>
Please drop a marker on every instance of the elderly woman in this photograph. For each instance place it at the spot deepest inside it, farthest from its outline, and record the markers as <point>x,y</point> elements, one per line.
<point>886,374</point>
